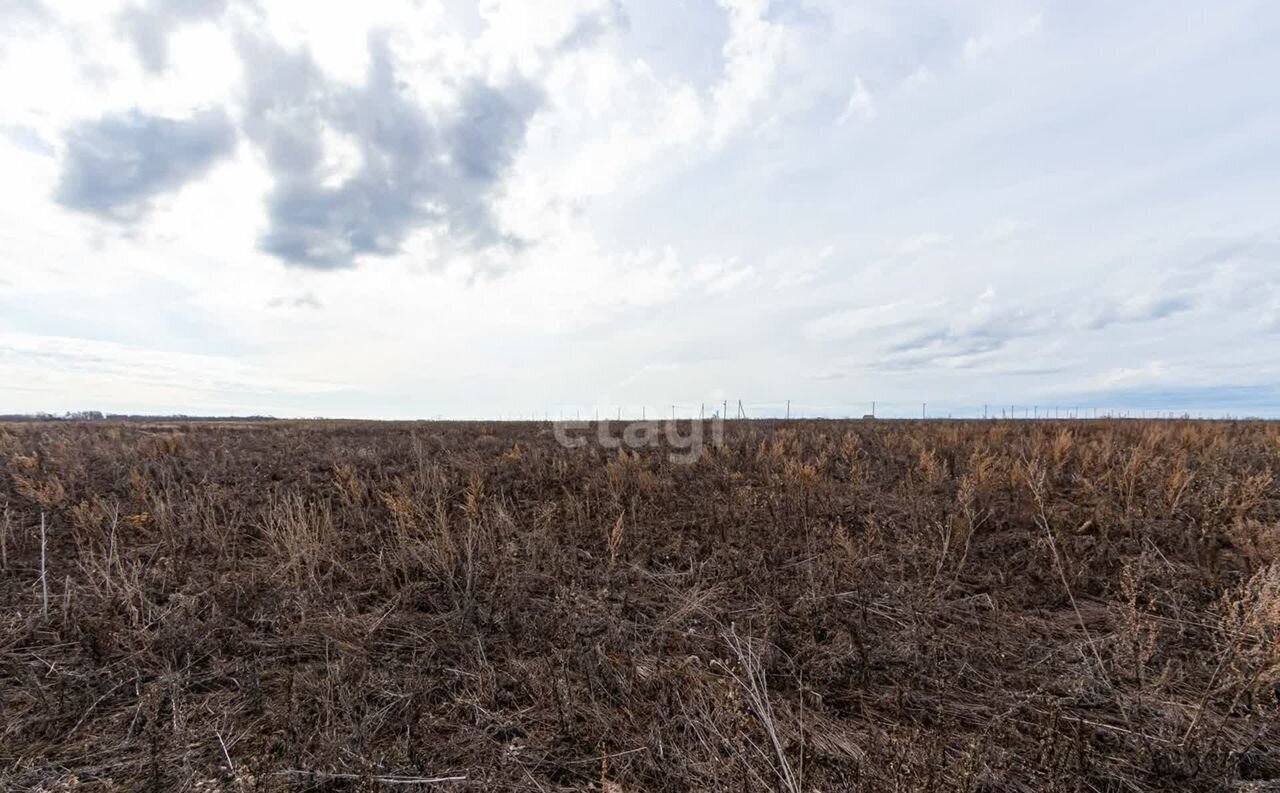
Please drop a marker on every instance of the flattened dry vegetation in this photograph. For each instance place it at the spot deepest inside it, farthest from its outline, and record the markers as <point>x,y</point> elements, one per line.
<point>814,606</point>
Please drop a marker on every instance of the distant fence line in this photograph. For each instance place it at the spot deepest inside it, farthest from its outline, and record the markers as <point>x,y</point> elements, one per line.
<point>787,409</point>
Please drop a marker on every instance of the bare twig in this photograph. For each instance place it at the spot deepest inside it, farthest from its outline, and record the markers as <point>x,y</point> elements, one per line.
<point>4,538</point>
<point>386,780</point>
<point>754,685</point>
<point>230,765</point>
<point>44,580</point>
<point>1043,521</point>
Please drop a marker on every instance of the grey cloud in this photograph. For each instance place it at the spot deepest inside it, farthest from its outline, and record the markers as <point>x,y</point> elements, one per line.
<point>305,300</point>
<point>27,138</point>
<point>945,347</point>
<point>148,26</point>
<point>114,166</point>
<point>17,13</point>
<point>1206,254</point>
<point>968,342</point>
<point>21,18</point>
<point>591,27</point>
<point>32,10</point>
<point>415,170</point>
<point>965,343</point>
<point>1109,313</point>
<point>789,12</point>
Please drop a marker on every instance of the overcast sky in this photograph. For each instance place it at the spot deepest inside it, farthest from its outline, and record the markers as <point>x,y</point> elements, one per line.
<point>414,209</point>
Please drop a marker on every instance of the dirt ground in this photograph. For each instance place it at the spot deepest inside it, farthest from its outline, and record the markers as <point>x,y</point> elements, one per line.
<point>812,606</point>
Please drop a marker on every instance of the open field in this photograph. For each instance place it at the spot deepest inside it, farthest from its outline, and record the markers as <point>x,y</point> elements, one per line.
<point>813,606</point>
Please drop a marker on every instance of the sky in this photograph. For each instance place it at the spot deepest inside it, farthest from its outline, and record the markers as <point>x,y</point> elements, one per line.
<point>433,208</point>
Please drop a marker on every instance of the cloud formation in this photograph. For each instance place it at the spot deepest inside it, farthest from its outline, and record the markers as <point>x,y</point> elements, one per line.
<point>860,104</point>
<point>411,169</point>
<point>563,199</point>
<point>1141,308</point>
<point>115,166</point>
<point>148,26</point>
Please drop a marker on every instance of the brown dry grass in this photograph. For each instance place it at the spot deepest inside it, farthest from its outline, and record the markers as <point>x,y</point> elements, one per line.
<point>816,606</point>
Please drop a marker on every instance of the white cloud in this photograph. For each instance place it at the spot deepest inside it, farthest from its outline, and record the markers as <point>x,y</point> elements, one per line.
<point>860,104</point>
<point>919,78</point>
<point>1002,35</point>
<point>917,243</point>
<point>751,58</point>
<point>1000,230</point>
<point>341,159</point>
<point>868,319</point>
<point>722,275</point>
<point>49,369</point>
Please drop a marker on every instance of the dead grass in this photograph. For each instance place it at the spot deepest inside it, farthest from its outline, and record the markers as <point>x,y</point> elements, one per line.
<point>815,606</point>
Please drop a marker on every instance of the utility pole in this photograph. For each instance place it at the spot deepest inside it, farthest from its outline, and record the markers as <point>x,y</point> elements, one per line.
<point>673,412</point>
<point>984,411</point>
<point>788,410</point>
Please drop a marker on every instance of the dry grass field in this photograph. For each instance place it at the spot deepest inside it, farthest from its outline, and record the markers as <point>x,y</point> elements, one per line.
<point>813,606</point>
